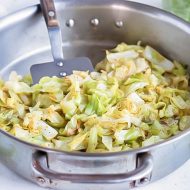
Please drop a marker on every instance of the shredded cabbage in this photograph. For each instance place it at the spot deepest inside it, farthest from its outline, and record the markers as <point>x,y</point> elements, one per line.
<point>136,98</point>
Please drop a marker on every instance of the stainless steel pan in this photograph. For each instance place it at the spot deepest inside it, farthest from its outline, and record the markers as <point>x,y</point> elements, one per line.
<point>89,27</point>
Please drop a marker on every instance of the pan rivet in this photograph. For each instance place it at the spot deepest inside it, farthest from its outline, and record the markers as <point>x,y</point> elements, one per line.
<point>144,180</point>
<point>51,13</point>
<point>119,24</point>
<point>63,74</point>
<point>41,180</point>
<point>60,64</point>
<point>94,22</point>
<point>70,23</point>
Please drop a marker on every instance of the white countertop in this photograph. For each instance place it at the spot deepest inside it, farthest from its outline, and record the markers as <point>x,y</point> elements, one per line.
<point>178,180</point>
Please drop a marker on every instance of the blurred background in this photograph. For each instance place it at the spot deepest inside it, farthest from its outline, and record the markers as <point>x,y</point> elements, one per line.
<point>178,7</point>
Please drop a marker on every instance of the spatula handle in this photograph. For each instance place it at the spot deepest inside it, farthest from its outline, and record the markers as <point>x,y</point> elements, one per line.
<point>49,12</point>
<point>55,37</point>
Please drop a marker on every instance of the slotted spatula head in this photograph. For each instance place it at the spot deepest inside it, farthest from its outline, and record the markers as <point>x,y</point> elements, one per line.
<point>59,67</point>
<point>51,69</point>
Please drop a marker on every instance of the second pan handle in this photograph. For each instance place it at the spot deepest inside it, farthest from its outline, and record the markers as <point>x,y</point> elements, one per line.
<point>141,172</point>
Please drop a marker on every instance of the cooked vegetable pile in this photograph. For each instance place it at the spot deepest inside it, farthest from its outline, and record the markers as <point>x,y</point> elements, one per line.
<point>136,98</point>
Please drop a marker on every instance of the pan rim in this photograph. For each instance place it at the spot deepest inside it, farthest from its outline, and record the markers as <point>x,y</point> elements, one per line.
<point>137,6</point>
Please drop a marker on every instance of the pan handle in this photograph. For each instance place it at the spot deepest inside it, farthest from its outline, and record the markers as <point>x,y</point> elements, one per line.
<point>140,175</point>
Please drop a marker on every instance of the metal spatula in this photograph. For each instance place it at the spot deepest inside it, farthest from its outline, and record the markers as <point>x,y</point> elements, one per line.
<point>59,67</point>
